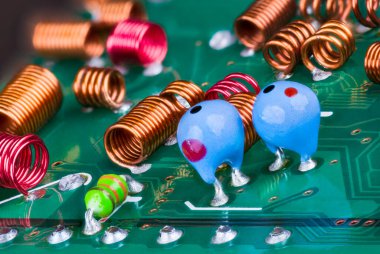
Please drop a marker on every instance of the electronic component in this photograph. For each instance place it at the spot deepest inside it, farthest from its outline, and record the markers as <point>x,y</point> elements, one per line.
<point>209,134</point>
<point>371,19</point>
<point>286,115</point>
<point>323,10</point>
<point>371,62</point>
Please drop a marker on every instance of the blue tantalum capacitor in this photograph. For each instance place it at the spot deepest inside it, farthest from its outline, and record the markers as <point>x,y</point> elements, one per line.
<point>286,115</point>
<point>209,134</point>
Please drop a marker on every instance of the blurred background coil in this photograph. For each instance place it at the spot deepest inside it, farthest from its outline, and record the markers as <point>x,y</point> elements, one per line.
<point>68,39</point>
<point>371,19</point>
<point>99,87</point>
<point>109,14</point>
<point>323,10</point>
<point>372,62</point>
<point>331,46</point>
<point>93,5</point>
<point>29,100</point>
<point>149,124</point>
<point>283,50</point>
<point>137,42</point>
<point>244,102</point>
<point>23,161</point>
<point>262,19</point>
<point>229,86</point>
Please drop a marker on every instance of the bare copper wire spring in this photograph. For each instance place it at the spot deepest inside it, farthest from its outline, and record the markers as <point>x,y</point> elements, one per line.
<point>371,19</point>
<point>283,50</point>
<point>139,133</point>
<point>244,103</point>
<point>111,13</point>
<point>323,10</point>
<point>70,39</point>
<point>92,5</point>
<point>331,46</point>
<point>372,62</point>
<point>99,87</point>
<point>29,100</point>
<point>262,19</point>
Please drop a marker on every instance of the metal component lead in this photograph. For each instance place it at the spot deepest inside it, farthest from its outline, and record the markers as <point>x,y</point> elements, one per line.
<point>7,234</point>
<point>91,225</point>
<point>278,235</point>
<point>239,178</point>
<point>71,182</point>
<point>133,185</point>
<point>114,235</point>
<point>307,165</point>
<point>60,235</point>
<point>34,195</point>
<point>220,197</point>
<point>279,162</point>
<point>169,234</point>
<point>223,234</point>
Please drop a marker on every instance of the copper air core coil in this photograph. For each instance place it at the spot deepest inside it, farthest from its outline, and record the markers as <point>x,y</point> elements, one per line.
<point>29,100</point>
<point>331,46</point>
<point>371,19</point>
<point>323,10</point>
<point>372,62</point>
<point>65,40</point>
<point>149,124</point>
<point>262,19</point>
<point>109,14</point>
<point>283,50</point>
<point>99,87</point>
<point>244,102</point>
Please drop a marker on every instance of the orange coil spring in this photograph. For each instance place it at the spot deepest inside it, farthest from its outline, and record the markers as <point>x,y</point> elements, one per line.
<point>262,19</point>
<point>29,100</point>
<point>244,103</point>
<point>371,19</point>
<point>75,39</point>
<point>111,13</point>
<point>372,62</point>
<point>323,10</point>
<point>283,50</point>
<point>139,133</point>
<point>99,87</point>
<point>93,5</point>
<point>331,46</point>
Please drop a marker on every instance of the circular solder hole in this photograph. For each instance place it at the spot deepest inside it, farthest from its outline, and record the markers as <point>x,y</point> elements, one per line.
<point>268,88</point>
<point>168,191</point>
<point>274,198</point>
<point>354,222</point>
<point>356,131</point>
<point>240,190</point>
<point>145,226</point>
<point>332,162</point>
<point>153,210</point>
<point>308,192</point>
<point>368,223</point>
<point>196,109</point>
<point>56,164</point>
<point>340,222</point>
<point>161,200</point>
<point>169,178</point>
<point>366,140</point>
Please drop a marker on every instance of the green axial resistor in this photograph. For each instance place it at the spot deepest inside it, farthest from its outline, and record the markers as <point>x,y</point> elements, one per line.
<point>110,191</point>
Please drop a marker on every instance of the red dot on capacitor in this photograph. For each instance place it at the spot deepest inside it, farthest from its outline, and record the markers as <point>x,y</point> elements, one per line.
<point>290,91</point>
<point>193,150</point>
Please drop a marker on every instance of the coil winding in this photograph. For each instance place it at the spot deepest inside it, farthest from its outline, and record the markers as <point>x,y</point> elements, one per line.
<point>283,50</point>
<point>137,42</point>
<point>110,14</point>
<point>139,133</point>
<point>23,161</point>
<point>244,102</point>
<point>331,46</point>
<point>372,62</point>
<point>262,19</point>
<point>323,10</point>
<point>371,19</point>
<point>70,39</point>
<point>230,85</point>
<point>29,100</point>
<point>99,87</point>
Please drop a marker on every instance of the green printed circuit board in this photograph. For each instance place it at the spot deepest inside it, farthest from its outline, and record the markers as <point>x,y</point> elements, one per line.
<point>334,207</point>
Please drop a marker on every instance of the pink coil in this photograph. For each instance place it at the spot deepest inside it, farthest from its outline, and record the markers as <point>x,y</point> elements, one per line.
<point>23,161</point>
<point>229,86</point>
<point>137,42</point>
